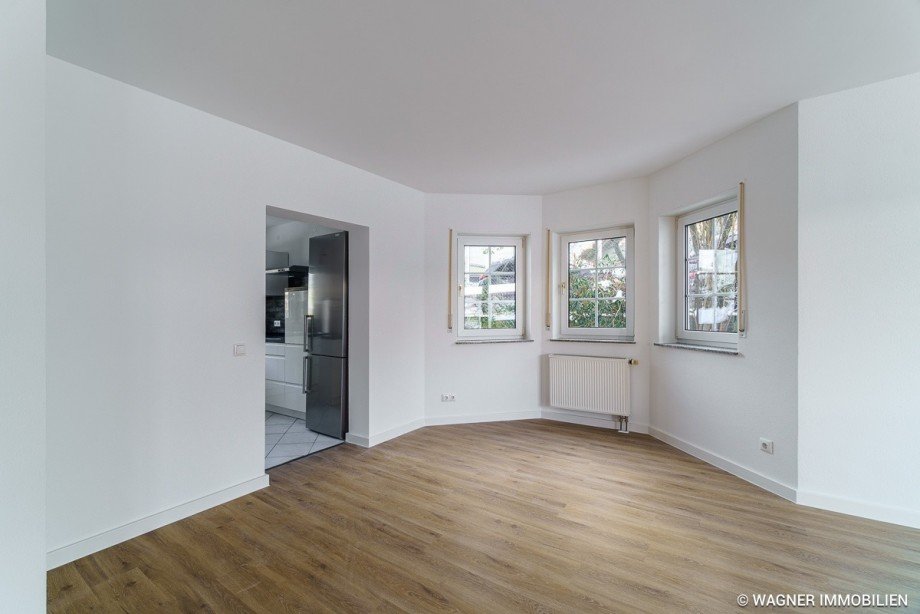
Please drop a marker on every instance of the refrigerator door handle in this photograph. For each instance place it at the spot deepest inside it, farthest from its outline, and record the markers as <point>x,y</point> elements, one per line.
<point>307,333</point>
<point>307,374</point>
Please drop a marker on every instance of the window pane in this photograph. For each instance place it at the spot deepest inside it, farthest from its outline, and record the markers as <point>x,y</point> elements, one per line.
<point>582,314</point>
<point>726,231</point>
<point>476,258</point>
<point>726,283</point>
<point>502,259</point>
<point>583,255</point>
<point>611,283</point>
<point>699,313</point>
<point>726,315</point>
<point>475,308</point>
<point>699,237</point>
<point>613,252</point>
<point>505,281</point>
<point>699,283</point>
<point>725,261</point>
<point>582,284</point>
<point>503,315</point>
<point>474,314</point>
<point>693,265</point>
<point>725,258</point>
<point>502,287</point>
<point>476,287</point>
<point>473,279</point>
<point>611,314</point>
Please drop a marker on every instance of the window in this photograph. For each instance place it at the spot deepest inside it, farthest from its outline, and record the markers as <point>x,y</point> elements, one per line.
<point>491,288</point>
<point>707,307</point>
<point>596,273</point>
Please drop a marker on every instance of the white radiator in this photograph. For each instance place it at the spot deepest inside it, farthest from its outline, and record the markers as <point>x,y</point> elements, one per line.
<point>589,383</point>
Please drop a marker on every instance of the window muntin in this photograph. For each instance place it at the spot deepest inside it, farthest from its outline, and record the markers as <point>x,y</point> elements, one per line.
<point>708,301</point>
<point>596,269</point>
<point>491,298</point>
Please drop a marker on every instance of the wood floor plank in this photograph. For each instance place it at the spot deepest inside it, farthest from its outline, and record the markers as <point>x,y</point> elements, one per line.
<point>68,591</point>
<point>525,516</point>
<point>132,591</point>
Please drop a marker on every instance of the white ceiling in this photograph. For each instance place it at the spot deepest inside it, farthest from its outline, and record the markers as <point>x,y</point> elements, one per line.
<point>492,96</point>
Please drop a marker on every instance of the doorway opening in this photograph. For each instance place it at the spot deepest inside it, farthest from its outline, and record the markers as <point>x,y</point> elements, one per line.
<point>306,336</point>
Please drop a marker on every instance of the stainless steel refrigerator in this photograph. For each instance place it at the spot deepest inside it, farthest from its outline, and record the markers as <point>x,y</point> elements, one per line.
<point>325,361</point>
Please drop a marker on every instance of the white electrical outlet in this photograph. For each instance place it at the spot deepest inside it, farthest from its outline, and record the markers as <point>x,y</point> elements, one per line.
<point>239,349</point>
<point>448,397</point>
<point>766,445</point>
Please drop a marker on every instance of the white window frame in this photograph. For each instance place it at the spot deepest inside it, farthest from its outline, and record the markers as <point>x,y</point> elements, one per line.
<point>562,272</point>
<point>520,291</point>
<point>716,207</point>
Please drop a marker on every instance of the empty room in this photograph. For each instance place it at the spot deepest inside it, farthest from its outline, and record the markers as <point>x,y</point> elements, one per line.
<point>459,305</point>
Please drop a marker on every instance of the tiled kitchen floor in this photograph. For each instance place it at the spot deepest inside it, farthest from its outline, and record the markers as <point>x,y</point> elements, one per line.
<point>288,438</point>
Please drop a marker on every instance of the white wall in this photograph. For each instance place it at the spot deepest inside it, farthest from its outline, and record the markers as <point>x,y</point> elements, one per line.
<point>859,340</point>
<point>156,222</point>
<point>22,306</point>
<point>718,406</point>
<point>491,381</point>
<point>621,203</point>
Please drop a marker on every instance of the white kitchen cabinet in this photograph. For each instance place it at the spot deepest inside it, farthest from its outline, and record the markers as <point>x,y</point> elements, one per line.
<point>293,364</point>
<point>274,393</point>
<point>274,349</point>
<point>294,397</point>
<point>284,376</point>
<point>274,368</point>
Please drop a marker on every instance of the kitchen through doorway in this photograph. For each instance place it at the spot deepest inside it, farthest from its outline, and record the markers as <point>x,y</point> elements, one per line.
<point>306,337</point>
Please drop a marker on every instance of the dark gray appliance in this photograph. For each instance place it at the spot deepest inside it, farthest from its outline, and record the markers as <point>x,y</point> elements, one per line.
<point>325,362</point>
<point>274,319</point>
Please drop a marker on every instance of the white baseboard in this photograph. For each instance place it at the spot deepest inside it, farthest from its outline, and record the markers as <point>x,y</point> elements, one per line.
<point>745,473</point>
<point>378,438</point>
<point>84,547</point>
<point>863,509</point>
<point>473,418</point>
<point>589,419</point>
<point>358,440</point>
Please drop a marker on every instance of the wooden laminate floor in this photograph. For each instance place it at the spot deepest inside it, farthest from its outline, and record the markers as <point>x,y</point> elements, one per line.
<point>528,516</point>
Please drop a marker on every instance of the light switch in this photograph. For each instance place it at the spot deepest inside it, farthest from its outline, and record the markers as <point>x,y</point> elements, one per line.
<point>239,349</point>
